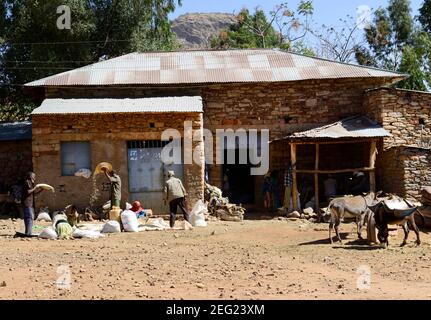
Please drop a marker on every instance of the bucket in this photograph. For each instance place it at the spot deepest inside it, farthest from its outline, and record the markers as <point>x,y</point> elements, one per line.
<point>115,214</point>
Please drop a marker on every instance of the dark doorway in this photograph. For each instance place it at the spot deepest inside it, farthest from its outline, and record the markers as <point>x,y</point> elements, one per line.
<point>238,183</point>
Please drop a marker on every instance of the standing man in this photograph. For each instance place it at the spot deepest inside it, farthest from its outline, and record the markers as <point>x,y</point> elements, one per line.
<point>288,183</point>
<point>27,200</point>
<point>175,195</point>
<point>330,187</point>
<point>115,188</point>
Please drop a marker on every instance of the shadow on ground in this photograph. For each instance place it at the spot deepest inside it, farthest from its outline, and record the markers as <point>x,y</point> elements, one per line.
<point>359,244</point>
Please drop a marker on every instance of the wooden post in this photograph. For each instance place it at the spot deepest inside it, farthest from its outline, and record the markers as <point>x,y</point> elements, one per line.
<point>316,182</point>
<point>294,178</point>
<point>373,155</point>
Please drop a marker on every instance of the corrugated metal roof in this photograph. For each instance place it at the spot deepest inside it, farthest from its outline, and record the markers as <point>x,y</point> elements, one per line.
<point>229,66</point>
<point>353,127</point>
<point>14,131</point>
<point>149,105</point>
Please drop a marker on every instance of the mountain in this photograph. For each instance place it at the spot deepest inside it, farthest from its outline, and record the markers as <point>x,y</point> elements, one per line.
<point>195,30</point>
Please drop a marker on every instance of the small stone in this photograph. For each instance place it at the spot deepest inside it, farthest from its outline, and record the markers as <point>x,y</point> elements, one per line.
<point>200,285</point>
<point>213,233</point>
<point>294,214</point>
<point>3,284</point>
<point>308,211</point>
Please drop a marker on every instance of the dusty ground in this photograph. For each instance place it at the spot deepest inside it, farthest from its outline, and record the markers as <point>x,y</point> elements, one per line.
<point>266,259</point>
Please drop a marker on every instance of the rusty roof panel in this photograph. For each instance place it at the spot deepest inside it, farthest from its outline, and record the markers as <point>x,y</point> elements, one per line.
<point>186,67</point>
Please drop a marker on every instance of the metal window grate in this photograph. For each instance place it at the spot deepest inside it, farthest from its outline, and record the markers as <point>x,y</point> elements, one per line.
<point>147,144</point>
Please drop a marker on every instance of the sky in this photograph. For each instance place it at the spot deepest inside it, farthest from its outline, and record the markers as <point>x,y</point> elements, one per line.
<point>326,11</point>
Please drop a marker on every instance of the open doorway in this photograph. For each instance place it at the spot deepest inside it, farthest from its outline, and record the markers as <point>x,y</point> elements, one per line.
<point>238,183</point>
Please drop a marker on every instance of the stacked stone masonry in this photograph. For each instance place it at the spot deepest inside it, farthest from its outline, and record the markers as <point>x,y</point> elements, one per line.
<point>108,135</point>
<point>404,162</point>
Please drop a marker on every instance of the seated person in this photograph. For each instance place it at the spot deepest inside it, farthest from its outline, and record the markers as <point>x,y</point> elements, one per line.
<point>141,212</point>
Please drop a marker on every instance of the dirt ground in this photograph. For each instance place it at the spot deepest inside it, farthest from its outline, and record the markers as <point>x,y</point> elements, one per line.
<point>255,259</point>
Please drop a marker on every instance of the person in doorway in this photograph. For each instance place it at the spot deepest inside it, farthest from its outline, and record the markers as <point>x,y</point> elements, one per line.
<point>27,201</point>
<point>288,184</point>
<point>175,195</point>
<point>360,184</point>
<point>226,185</point>
<point>267,192</point>
<point>275,186</point>
<point>330,187</point>
<point>115,193</point>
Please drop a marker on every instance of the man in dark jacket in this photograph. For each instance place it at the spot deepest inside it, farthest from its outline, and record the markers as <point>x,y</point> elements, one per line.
<point>27,201</point>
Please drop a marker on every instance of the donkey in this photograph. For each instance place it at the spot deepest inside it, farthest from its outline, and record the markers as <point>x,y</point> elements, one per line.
<point>384,216</point>
<point>356,206</point>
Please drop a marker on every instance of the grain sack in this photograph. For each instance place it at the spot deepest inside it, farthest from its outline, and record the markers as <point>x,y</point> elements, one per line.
<point>64,231</point>
<point>43,216</point>
<point>130,221</point>
<point>48,233</point>
<point>111,227</point>
<point>45,186</point>
<point>84,173</point>
<point>88,234</point>
<point>197,216</point>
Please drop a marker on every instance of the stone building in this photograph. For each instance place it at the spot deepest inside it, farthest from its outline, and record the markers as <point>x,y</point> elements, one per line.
<point>404,164</point>
<point>240,89</point>
<point>15,153</point>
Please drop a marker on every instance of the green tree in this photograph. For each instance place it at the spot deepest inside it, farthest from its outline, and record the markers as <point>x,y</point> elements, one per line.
<point>251,31</point>
<point>425,15</point>
<point>33,47</point>
<point>124,26</point>
<point>394,42</point>
<point>283,29</point>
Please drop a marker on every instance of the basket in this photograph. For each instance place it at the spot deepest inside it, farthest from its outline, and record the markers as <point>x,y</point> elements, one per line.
<point>103,166</point>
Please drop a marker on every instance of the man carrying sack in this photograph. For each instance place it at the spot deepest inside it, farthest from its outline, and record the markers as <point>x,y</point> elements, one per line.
<point>175,195</point>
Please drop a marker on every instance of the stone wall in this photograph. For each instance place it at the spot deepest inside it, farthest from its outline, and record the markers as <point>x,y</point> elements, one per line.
<point>405,114</point>
<point>403,164</point>
<point>282,108</point>
<point>15,162</point>
<point>406,171</point>
<point>108,135</point>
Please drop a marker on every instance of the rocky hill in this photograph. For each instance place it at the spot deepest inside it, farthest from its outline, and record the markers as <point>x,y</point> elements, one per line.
<point>195,30</point>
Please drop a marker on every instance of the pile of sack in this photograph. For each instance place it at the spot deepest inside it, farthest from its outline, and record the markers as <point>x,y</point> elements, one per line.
<point>220,207</point>
<point>62,229</point>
